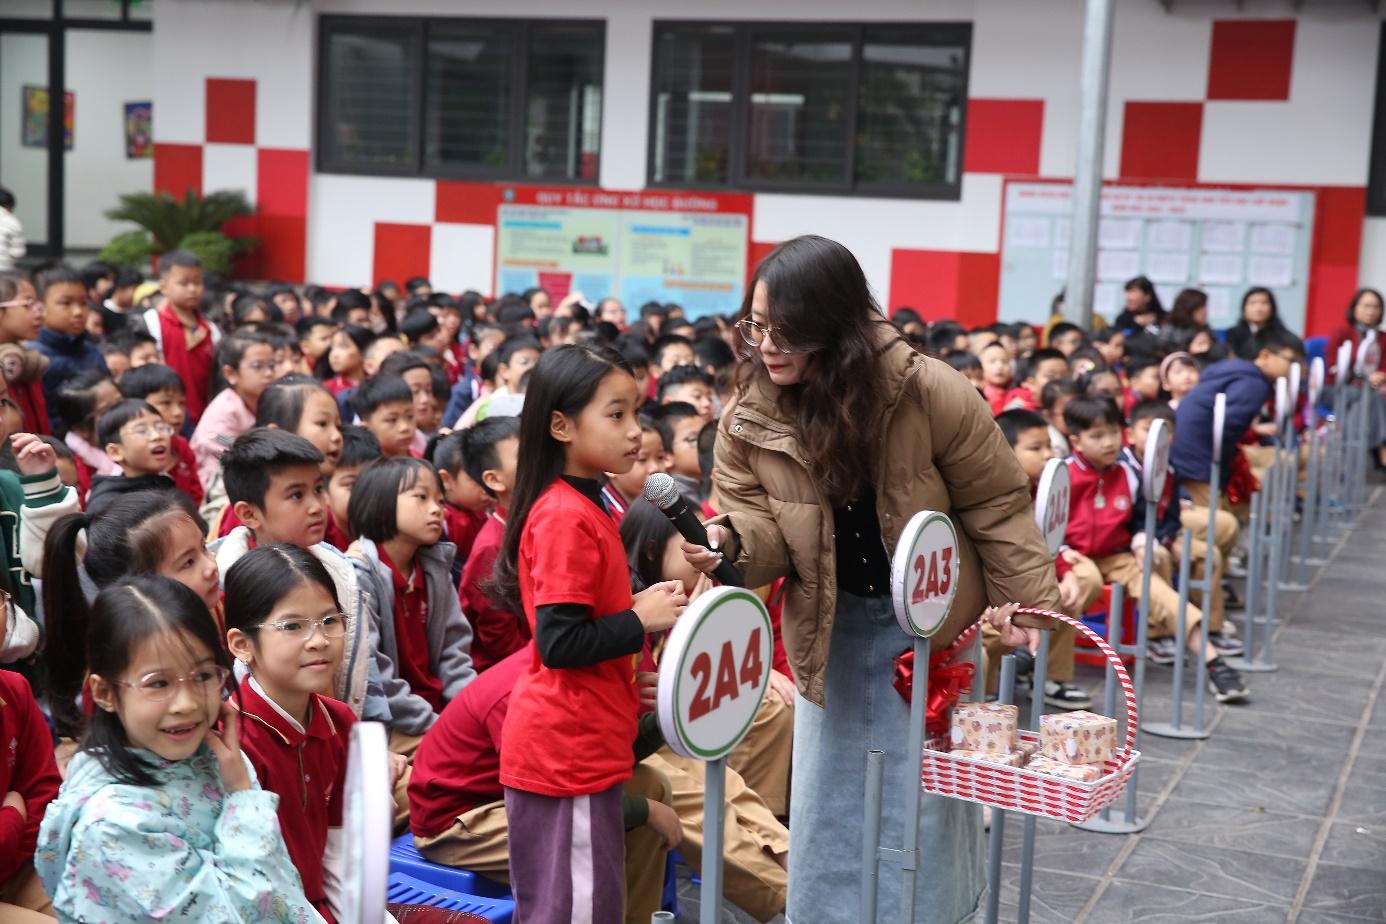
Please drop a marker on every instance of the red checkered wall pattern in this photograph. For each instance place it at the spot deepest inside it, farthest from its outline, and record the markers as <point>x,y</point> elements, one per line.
<point>1250,60</point>
<point>279,189</point>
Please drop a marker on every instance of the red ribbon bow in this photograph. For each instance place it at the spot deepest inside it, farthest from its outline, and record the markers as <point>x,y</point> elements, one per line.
<point>947,684</point>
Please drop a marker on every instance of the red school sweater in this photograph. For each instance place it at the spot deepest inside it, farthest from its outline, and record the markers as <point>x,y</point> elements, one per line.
<point>26,767</point>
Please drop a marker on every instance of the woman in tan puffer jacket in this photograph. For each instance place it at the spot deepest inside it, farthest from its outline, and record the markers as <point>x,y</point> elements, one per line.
<point>839,433</point>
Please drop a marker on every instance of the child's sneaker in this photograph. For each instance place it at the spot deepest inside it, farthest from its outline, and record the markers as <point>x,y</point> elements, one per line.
<point>1225,683</point>
<point>1225,644</point>
<point>1065,696</point>
<point>1160,650</point>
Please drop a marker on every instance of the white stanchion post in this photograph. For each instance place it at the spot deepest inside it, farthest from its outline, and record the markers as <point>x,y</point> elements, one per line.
<point>923,582</point>
<point>725,633</point>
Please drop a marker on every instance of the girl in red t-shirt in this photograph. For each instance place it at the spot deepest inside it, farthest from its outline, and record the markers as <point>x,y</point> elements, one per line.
<point>566,744</point>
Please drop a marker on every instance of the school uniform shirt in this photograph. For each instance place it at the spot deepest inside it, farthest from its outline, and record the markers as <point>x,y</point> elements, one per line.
<point>461,528</point>
<point>614,501</point>
<point>26,767</point>
<point>106,488</point>
<point>1022,398</point>
<point>338,384</point>
<point>306,767</point>
<point>184,471</point>
<point>193,366</point>
<point>497,633</point>
<point>182,849</point>
<point>995,396</point>
<point>569,729</point>
<point>1103,506</point>
<point>67,356</point>
<point>447,632</point>
<point>226,417</point>
<point>457,765</point>
<point>334,535</point>
<point>32,405</point>
<point>411,618</point>
<point>1191,450</point>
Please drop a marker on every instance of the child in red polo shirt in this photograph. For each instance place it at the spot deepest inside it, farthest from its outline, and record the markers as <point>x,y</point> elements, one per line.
<point>182,334</point>
<point>566,743</point>
<point>286,629</point>
<point>490,453</point>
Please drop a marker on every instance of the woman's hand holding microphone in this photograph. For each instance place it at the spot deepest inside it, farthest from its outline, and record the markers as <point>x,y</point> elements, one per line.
<point>706,559</point>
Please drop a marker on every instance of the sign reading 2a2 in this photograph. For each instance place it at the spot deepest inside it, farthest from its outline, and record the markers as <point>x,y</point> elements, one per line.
<point>924,573</point>
<point>714,673</point>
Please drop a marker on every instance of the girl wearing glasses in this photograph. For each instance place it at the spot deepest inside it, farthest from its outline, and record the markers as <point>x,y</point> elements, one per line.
<point>161,816</point>
<point>838,433</point>
<point>246,361</point>
<point>284,624</point>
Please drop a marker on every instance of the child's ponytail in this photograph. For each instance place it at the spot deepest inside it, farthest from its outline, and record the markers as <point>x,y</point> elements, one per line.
<point>564,380</point>
<point>66,615</point>
<point>129,537</point>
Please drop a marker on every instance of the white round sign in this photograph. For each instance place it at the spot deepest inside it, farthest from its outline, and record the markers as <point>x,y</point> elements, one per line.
<point>714,673</point>
<point>1282,401</point>
<point>924,573</point>
<point>1315,380</point>
<point>1344,364</point>
<point>1296,373</point>
<point>1051,504</point>
<point>1368,355</point>
<point>1155,461</point>
<point>1219,422</point>
<point>367,821</point>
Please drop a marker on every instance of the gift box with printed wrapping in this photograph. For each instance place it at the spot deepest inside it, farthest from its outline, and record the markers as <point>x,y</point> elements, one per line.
<point>1085,773</point>
<point>1007,759</point>
<point>1077,737</point>
<point>1074,793</point>
<point>984,727</point>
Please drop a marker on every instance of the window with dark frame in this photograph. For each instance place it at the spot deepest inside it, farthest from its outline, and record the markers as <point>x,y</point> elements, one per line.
<point>875,109</point>
<point>1376,171</point>
<point>461,98</point>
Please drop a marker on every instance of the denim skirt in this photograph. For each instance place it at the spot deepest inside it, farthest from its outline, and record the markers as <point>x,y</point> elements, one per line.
<point>827,801</point>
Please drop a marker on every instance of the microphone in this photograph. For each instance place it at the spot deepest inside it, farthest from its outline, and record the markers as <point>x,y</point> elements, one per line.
<point>663,492</point>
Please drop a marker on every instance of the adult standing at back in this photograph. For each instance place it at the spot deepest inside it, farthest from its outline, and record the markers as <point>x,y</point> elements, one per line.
<point>1259,312</point>
<point>837,434</point>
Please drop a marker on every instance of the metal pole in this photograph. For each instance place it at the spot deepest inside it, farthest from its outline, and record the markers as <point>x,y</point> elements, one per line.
<point>1174,728</point>
<point>909,859</point>
<point>1087,180</point>
<point>1309,520</point>
<point>1291,500</point>
<point>998,818</point>
<point>1027,847</point>
<point>871,835</point>
<point>714,811</point>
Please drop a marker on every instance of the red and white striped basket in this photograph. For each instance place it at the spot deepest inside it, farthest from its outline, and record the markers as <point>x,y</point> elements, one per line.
<point>1016,789</point>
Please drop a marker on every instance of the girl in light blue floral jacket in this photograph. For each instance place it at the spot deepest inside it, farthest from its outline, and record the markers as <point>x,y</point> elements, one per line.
<point>161,816</point>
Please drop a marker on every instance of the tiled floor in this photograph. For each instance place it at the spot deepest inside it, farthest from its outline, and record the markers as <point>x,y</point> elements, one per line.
<point>1280,816</point>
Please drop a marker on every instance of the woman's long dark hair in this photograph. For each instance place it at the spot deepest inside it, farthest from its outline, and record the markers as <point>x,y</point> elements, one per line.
<point>564,380</point>
<point>123,617</point>
<point>819,297</point>
<point>129,537</point>
<point>1186,303</point>
<point>1357,297</point>
<point>1273,322</point>
<point>645,531</point>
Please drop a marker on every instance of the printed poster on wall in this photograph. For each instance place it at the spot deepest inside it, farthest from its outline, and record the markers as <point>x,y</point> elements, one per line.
<point>34,131</point>
<point>139,130</point>
<point>639,246</point>
<point>1222,241</point>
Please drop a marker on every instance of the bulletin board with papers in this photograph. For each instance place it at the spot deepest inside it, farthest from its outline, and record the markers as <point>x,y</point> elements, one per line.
<point>1223,241</point>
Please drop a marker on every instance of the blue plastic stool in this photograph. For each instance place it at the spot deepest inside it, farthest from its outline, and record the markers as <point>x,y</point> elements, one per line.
<point>406,890</point>
<point>405,859</point>
<point>670,900</point>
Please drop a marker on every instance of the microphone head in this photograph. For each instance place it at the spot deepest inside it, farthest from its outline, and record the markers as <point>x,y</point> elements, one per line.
<point>661,490</point>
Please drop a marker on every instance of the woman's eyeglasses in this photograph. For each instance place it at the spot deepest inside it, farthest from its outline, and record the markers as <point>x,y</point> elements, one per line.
<point>754,334</point>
